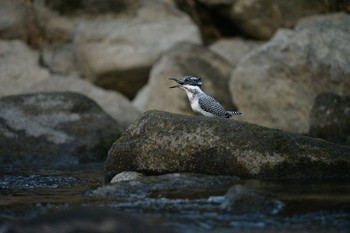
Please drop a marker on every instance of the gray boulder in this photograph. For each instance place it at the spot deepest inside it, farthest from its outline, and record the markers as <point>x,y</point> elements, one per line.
<point>188,59</point>
<point>330,118</point>
<point>161,142</point>
<point>118,52</point>
<point>53,129</point>
<point>275,85</point>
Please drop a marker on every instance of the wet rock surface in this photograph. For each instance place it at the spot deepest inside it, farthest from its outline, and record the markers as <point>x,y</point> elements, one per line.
<point>53,129</point>
<point>164,185</point>
<point>160,142</point>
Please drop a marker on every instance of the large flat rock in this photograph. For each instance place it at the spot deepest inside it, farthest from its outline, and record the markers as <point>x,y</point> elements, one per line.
<point>161,142</point>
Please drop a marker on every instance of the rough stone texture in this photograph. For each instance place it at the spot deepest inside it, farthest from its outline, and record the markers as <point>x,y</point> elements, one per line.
<point>275,85</point>
<point>84,219</point>
<point>117,53</point>
<point>330,118</point>
<point>160,142</point>
<point>53,129</point>
<point>19,67</point>
<point>234,49</point>
<point>243,200</point>
<point>115,104</point>
<point>188,59</point>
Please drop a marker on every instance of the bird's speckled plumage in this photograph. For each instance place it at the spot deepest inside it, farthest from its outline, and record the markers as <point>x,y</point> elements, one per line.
<point>200,101</point>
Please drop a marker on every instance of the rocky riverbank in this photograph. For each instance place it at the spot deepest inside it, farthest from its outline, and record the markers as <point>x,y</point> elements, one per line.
<point>92,139</point>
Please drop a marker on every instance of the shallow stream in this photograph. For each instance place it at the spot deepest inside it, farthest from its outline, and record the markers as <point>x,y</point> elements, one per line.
<point>309,206</point>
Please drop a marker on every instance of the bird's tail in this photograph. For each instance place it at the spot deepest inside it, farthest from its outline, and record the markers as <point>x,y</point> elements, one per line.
<point>232,113</point>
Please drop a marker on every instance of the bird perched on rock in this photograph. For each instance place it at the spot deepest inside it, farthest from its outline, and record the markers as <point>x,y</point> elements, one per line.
<point>201,102</point>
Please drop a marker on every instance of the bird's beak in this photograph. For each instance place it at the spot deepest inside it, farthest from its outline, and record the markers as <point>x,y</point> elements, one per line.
<point>176,80</point>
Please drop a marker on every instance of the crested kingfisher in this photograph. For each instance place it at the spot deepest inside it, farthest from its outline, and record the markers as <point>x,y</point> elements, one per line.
<point>201,102</point>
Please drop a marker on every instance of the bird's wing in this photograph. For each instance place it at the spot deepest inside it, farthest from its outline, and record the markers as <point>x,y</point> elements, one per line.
<point>209,104</point>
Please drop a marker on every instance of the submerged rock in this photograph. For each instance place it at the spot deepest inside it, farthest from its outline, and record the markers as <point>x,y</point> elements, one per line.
<point>170,184</point>
<point>242,200</point>
<point>53,129</point>
<point>160,142</point>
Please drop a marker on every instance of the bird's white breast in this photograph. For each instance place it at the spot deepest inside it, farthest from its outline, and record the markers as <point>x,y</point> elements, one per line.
<point>195,104</point>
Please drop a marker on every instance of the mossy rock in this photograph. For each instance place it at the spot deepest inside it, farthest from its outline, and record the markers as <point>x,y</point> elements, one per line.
<point>160,142</point>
